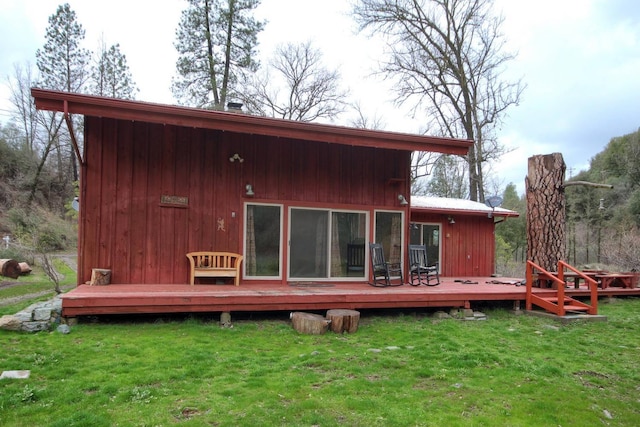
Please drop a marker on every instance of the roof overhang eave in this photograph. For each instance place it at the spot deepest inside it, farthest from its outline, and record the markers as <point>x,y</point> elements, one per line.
<point>89,105</point>
<point>470,212</point>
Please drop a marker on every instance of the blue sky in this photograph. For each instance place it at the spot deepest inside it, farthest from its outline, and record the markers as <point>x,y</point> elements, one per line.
<point>580,60</point>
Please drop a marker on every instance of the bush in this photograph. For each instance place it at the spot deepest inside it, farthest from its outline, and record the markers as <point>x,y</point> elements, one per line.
<point>42,230</point>
<point>17,254</point>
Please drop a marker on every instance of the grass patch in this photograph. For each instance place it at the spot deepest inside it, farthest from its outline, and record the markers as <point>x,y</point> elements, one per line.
<point>398,369</point>
<point>18,294</point>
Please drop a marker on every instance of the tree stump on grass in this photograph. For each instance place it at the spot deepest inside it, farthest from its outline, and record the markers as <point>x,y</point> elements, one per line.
<point>25,268</point>
<point>10,268</point>
<point>100,277</point>
<point>344,320</point>
<point>308,323</point>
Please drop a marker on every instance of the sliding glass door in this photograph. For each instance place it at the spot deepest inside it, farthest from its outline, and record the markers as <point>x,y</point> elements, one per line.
<point>326,244</point>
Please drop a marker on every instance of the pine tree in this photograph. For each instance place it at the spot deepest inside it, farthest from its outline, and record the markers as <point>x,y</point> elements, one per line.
<point>111,75</point>
<point>448,178</point>
<point>62,62</point>
<point>216,42</point>
<point>63,66</point>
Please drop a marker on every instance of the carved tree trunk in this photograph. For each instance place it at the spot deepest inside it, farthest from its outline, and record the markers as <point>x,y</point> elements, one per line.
<point>546,213</point>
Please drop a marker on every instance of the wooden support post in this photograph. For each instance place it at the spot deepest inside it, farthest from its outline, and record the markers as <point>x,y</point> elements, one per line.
<point>343,320</point>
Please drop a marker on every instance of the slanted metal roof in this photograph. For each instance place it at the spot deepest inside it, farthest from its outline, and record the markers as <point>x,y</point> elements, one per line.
<point>97,106</point>
<point>449,206</point>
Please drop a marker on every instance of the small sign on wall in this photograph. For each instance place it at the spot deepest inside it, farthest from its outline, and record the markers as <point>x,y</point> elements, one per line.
<point>174,201</point>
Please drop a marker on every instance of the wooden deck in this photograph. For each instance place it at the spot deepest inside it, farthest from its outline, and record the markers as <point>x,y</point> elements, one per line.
<point>183,298</point>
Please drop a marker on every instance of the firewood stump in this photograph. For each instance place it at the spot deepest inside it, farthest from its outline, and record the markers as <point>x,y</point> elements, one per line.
<point>25,268</point>
<point>308,323</point>
<point>343,321</point>
<point>100,277</point>
<point>10,268</point>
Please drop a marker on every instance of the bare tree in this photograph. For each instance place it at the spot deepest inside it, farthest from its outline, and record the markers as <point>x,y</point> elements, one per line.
<point>422,164</point>
<point>363,121</point>
<point>40,130</point>
<point>296,86</point>
<point>446,59</point>
<point>622,248</point>
<point>25,112</point>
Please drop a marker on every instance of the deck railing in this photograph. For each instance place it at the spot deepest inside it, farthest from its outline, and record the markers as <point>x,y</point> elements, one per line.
<point>556,304</point>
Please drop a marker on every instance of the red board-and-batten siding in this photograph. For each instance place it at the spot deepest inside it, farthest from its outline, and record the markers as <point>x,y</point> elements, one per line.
<point>468,246</point>
<point>135,153</point>
<point>127,229</point>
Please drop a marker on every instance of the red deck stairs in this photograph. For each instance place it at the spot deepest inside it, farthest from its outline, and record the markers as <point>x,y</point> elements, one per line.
<point>559,304</point>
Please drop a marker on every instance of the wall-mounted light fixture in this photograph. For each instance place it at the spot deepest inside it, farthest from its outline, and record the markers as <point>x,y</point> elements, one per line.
<point>236,157</point>
<point>249,190</point>
<point>451,220</point>
<point>403,201</point>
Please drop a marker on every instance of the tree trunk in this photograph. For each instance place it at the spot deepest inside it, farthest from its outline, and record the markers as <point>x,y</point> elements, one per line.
<point>546,213</point>
<point>10,268</point>
<point>308,323</point>
<point>344,320</point>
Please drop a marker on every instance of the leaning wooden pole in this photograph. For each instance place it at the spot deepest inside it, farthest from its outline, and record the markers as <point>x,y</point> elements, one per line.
<point>546,213</point>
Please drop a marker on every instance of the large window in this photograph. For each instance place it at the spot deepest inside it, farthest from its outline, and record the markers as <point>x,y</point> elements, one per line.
<point>428,235</point>
<point>263,241</point>
<point>326,244</point>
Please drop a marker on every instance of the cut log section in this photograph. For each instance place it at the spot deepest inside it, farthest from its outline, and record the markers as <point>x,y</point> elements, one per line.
<point>307,323</point>
<point>344,320</point>
<point>25,268</point>
<point>10,268</point>
<point>100,277</point>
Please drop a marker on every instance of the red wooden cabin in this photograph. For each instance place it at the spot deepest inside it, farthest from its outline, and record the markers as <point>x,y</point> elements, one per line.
<point>458,233</point>
<point>295,200</point>
<point>159,181</point>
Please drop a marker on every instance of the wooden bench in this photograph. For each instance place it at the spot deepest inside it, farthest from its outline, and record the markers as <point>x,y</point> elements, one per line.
<point>215,264</point>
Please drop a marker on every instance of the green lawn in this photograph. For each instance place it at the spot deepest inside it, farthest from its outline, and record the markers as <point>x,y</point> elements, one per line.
<point>399,369</point>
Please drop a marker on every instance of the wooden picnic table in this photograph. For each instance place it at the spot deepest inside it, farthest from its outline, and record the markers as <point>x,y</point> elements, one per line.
<point>624,280</point>
<point>544,281</point>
